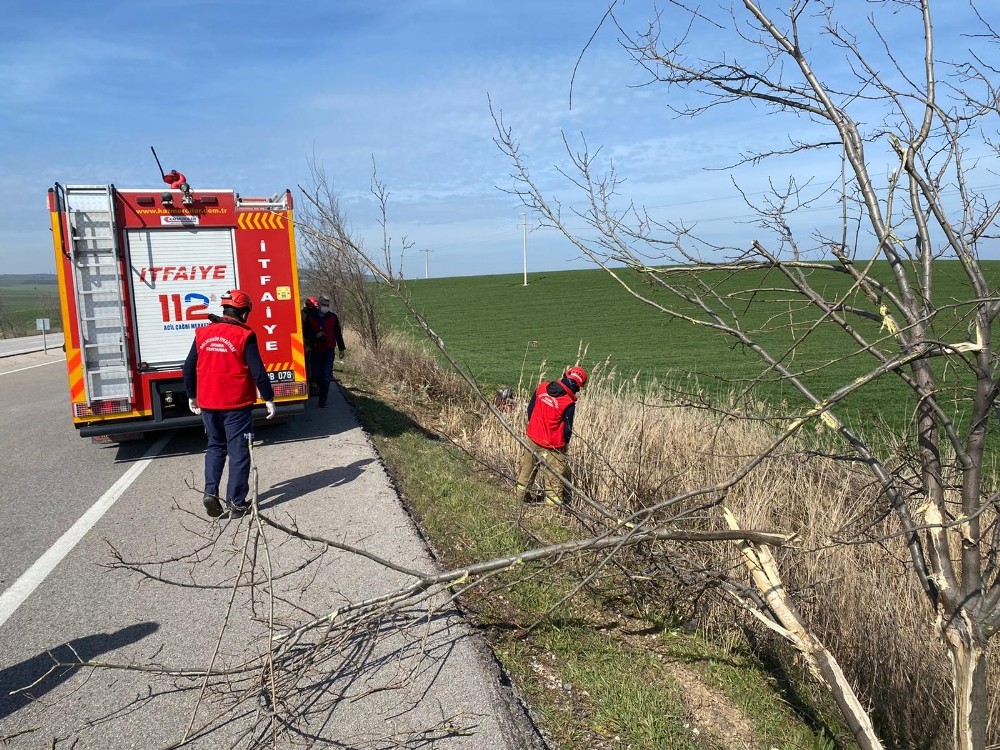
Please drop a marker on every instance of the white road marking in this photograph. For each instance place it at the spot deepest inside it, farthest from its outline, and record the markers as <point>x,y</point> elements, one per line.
<point>31,367</point>
<point>23,587</point>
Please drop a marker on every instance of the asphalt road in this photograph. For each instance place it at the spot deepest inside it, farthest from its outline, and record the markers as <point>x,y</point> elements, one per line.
<point>108,557</point>
<point>51,341</point>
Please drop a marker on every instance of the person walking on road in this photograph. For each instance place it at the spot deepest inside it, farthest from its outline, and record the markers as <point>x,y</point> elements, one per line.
<point>309,309</point>
<point>550,427</point>
<point>325,336</point>
<point>223,374</point>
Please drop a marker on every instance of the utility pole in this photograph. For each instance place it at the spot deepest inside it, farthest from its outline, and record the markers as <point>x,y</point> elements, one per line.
<point>426,253</point>
<point>524,223</point>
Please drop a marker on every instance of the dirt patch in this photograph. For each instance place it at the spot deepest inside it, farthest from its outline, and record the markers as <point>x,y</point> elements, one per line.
<point>715,720</point>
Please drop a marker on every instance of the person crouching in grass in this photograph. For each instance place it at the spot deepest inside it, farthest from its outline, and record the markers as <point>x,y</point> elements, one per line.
<point>550,427</point>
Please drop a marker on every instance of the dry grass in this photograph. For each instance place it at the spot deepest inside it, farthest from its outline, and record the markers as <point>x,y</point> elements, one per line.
<point>408,369</point>
<point>849,570</point>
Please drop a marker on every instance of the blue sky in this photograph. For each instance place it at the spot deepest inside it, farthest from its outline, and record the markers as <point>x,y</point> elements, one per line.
<point>243,94</point>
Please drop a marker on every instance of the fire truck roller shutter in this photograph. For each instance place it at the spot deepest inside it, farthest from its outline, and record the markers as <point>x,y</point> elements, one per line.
<point>177,278</point>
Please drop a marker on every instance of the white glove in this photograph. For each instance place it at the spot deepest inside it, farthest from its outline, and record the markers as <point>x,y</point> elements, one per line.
<point>193,406</point>
<point>270,409</point>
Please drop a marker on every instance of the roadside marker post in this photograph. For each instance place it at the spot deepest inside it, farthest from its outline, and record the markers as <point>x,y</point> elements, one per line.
<point>42,324</point>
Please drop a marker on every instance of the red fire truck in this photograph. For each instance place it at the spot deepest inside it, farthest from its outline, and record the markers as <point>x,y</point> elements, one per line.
<point>140,269</point>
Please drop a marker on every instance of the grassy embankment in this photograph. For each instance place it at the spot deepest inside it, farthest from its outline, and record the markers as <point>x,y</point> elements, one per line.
<point>597,674</point>
<point>505,333</point>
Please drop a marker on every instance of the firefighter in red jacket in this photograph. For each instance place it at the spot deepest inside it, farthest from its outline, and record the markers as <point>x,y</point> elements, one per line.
<point>325,336</point>
<point>310,308</point>
<point>223,374</point>
<point>550,427</point>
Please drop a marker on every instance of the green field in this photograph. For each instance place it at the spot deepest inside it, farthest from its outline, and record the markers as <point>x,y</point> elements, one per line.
<point>503,331</point>
<point>24,299</point>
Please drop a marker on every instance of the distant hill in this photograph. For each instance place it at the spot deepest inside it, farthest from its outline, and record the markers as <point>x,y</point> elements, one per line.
<point>11,279</point>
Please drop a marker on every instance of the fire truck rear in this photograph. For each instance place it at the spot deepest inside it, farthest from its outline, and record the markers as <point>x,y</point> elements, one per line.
<point>140,269</point>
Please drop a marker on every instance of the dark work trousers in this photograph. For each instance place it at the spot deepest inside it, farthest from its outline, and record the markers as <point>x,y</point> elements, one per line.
<point>322,373</point>
<point>229,432</point>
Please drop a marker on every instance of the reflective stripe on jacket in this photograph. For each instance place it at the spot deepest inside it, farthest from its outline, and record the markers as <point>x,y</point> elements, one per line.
<point>545,425</point>
<point>224,379</point>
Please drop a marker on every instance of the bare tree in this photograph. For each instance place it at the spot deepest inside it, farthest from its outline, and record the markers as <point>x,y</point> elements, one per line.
<point>923,126</point>
<point>351,647</point>
<point>7,328</point>
<point>609,533</point>
<point>48,306</point>
<point>329,264</point>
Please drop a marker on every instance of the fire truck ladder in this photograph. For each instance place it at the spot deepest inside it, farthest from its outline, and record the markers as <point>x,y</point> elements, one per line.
<point>98,285</point>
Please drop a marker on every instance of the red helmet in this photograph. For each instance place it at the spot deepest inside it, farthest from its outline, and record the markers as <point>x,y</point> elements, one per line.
<point>577,374</point>
<point>311,302</point>
<point>236,299</point>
